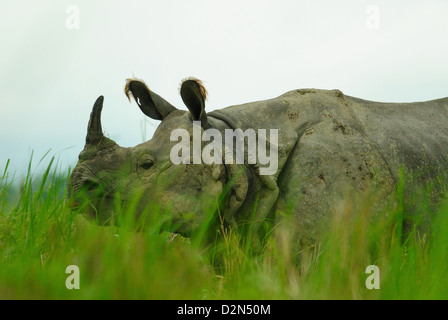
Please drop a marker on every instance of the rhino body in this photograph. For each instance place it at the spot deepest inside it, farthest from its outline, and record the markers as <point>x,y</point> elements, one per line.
<point>330,146</point>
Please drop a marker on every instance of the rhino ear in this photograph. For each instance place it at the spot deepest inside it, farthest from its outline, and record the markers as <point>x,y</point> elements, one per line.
<point>194,94</point>
<point>149,102</point>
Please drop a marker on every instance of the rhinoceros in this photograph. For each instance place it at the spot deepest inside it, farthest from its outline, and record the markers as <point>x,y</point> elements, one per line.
<point>329,147</point>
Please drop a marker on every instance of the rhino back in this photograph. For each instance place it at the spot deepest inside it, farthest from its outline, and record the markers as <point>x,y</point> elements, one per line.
<point>410,135</point>
<point>332,145</point>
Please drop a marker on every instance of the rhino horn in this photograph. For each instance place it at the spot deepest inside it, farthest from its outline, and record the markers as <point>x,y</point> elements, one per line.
<point>94,130</point>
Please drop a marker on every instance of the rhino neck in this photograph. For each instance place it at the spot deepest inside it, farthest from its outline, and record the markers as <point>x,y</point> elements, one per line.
<point>250,193</point>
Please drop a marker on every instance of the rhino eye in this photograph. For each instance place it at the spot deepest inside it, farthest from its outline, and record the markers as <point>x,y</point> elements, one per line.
<point>147,164</point>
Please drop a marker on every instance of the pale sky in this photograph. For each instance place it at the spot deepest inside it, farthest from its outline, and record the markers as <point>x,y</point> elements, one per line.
<point>244,50</point>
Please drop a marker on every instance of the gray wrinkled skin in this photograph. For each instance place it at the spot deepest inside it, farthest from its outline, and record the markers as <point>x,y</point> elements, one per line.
<point>331,146</point>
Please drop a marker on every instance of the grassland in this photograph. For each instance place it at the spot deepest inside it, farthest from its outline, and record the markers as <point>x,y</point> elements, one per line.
<point>40,236</point>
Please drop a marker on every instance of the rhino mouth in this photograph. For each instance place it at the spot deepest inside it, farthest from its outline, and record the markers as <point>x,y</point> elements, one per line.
<point>179,226</point>
<point>102,209</point>
<point>90,194</point>
<point>80,201</point>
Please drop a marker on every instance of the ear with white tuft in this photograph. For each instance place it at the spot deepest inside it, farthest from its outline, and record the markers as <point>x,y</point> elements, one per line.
<point>149,102</point>
<point>194,94</point>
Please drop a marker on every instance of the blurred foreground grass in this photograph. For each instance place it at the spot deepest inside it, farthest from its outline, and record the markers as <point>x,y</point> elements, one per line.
<point>40,236</point>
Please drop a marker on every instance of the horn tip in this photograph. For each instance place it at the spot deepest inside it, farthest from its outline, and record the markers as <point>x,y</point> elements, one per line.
<point>99,102</point>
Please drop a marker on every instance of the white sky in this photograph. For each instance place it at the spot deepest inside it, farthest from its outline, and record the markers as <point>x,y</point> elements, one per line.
<point>244,50</point>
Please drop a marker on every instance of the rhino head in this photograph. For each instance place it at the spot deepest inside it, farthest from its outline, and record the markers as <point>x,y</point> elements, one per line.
<point>107,174</point>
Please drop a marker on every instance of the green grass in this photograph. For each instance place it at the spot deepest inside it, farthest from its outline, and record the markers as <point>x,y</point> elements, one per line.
<point>40,236</point>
